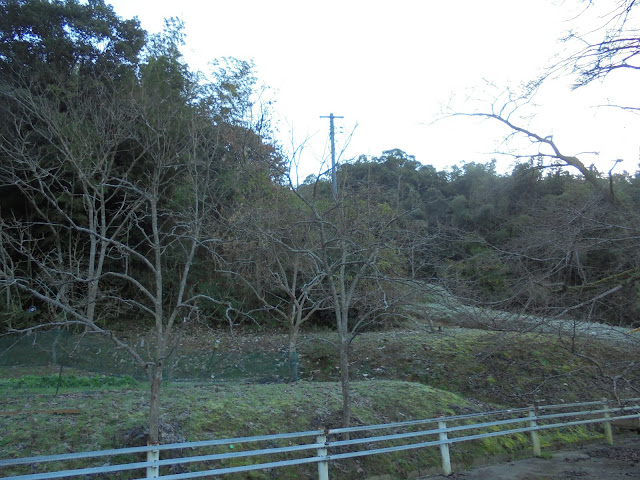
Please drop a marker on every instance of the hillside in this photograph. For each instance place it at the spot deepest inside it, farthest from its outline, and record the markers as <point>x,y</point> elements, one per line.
<point>397,375</point>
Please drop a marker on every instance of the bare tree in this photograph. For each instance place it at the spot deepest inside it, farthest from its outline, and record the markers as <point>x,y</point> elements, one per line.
<point>551,286</point>
<point>270,258</point>
<point>608,44</point>
<point>83,138</point>
<point>358,259</point>
<point>119,190</point>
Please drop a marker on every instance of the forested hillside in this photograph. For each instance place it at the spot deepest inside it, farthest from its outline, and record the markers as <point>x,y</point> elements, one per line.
<point>136,193</point>
<point>537,239</point>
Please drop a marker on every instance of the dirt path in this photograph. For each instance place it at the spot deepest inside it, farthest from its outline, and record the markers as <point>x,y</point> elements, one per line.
<point>591,462</point>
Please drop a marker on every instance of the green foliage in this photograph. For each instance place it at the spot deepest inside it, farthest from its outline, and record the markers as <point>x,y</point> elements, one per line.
<point>54,38</point>
<point>116,118</point>
<point>459,206</point>
<point>233,88</point>
<point>482,269</point>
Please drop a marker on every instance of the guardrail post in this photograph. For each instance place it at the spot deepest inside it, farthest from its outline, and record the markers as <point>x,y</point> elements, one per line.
<point>153,471</point>
<point>535,440</point>
<point>323,467</point>
<point>444,449</point>
<point>608,434</point>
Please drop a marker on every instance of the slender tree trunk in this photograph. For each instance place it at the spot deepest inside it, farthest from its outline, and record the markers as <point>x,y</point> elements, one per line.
<point>344,384</point>
<point>342,312</point>
<point>293,351</point>
<point>154,403</point>
<point>98,257</point>
<point>6,265</point>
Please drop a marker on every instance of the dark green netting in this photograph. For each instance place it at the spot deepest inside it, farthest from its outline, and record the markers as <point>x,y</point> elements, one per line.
<point>97,354</point>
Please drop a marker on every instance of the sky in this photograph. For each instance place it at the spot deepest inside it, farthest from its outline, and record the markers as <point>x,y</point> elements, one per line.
<point>392,68</point>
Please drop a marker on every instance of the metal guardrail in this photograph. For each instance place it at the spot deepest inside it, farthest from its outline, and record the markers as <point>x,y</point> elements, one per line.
<point>443,430</point>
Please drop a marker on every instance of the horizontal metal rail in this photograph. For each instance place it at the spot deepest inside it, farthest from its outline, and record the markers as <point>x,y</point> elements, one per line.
<point>377,451</point>
<point>583,404</point>
<point>519,415</point>
<point>168,446</point>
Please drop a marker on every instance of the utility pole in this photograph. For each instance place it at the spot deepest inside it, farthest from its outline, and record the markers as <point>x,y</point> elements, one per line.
<point>332,136</point>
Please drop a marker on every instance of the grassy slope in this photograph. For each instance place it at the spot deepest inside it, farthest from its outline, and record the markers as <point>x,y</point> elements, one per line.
<point>502,368</point>
<point>191,412</point>
<point>482,366</point>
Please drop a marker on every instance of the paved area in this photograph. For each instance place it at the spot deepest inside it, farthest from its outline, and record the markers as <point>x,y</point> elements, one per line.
<point>591,462</point>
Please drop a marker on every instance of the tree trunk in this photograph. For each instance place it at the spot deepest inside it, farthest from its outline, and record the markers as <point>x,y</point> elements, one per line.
<point>293,353</point>
<point>6,263</point>
<point>344,383</point>
<point>154,403</point>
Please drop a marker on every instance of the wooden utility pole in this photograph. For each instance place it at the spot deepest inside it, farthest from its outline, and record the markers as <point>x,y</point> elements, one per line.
<point>332,136</point>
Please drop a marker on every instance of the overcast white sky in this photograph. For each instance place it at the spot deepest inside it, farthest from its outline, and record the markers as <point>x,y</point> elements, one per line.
<point>390,66</point>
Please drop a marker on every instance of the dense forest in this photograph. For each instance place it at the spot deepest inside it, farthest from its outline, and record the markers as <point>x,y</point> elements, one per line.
<point>137,192</point>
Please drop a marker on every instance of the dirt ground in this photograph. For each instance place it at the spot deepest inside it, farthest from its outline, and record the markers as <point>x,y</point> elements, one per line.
<point>591,462</point>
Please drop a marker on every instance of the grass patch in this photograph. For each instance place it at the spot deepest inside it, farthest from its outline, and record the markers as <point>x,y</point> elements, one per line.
<point>67,382</point>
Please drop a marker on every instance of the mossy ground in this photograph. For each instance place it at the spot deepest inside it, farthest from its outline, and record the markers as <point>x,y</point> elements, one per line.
<point>397,376</point>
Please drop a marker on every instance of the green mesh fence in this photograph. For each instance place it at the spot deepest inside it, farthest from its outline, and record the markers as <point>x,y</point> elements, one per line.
<point>97,354</point>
